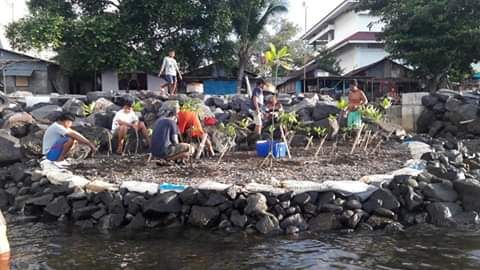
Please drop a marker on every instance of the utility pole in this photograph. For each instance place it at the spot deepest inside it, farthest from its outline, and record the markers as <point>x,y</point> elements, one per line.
<point>305,51</point>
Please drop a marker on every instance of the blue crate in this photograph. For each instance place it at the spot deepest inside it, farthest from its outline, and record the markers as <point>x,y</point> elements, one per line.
<point>279,148</point>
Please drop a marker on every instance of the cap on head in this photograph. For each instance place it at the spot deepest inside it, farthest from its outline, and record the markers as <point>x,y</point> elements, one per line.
<point>66,116</point>
<point>354,82</point>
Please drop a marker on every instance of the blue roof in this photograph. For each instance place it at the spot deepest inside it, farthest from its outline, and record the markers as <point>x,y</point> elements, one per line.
<point>476,76</point>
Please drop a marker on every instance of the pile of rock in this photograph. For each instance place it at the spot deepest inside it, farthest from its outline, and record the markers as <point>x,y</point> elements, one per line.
<point>451,115</point>
<point>445,194</point>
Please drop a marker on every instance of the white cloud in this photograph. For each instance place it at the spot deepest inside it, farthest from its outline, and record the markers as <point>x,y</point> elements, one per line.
<point>316,10</point>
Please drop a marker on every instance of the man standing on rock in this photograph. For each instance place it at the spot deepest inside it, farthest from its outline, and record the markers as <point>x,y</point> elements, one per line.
<point>59,139</point>
<point>165,142</point>
<point>124,120</point>
<point>356,99</point>
<point>170,67</point>
<point>257,105</point>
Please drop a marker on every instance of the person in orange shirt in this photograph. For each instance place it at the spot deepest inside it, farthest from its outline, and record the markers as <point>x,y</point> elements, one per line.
<point>189,123</point>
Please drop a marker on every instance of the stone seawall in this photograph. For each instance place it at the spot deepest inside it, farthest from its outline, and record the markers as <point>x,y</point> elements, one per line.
<point>444,194</point>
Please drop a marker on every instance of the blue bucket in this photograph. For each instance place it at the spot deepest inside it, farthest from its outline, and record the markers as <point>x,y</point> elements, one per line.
<point>279,149</point>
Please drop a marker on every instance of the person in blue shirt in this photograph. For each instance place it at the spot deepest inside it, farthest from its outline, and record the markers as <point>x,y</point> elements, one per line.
<point>257,106</point>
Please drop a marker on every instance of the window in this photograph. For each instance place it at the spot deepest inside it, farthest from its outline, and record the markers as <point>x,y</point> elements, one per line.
<point>21,81</point>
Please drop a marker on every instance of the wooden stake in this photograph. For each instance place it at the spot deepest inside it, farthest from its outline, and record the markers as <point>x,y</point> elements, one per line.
<point>285,141</point>
<point>201,147</point>
<point>310,142</point>
<point>321,145</point>
<point>357,138</point>
<point>377,146</point>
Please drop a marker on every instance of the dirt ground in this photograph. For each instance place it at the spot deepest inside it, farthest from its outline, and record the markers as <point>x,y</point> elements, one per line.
<point>243,167</point>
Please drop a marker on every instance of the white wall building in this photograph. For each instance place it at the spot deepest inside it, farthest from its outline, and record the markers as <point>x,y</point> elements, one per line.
<point>351,35</point>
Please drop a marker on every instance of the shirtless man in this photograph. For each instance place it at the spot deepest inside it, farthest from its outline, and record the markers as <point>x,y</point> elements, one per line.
<point>356,98</point>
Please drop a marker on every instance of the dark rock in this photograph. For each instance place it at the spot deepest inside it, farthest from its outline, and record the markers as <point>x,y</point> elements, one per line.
<point>465,219</point>
<point>299,140</point>
<point>191,196</point>
<point>215,199</point>
<point>137,223</point>
<point>386,197</point>
<point>110,221</point>
<point>256,204</point>
<point>301,199</point>
<point>285,204</point>
<point>421,218</point>
<point>84,213</point>
<point>429,101</point>
<point>378,222</point>
<point>10,148</point>
<point>84,224</point>
<point>364,227</point>
<point>440,192</point>
<point>370,205</point>
<point>268,224</point>
<point>323,110</point>
<point>330,208</point>
<point>238,219</point>
<point>383,212</point>
<point>225,224</point>
<point>294,220</point>
<point>286,196</point>
<point>310,208</point>
<point>74,106</point>
<point>469,193</point>
<point>426,118</point>
<point>292,230</point>
<point>353,204</point>
<point>231,192</point>
<point>40,201</point>
<point>99,214</point>
<point>3,199</point>
<point>79,204</point>
<point>394,227</point>
<point>46,114</point>
<point>412,199</point>
<point>240,203</point>
<point>435,128</point>
<point>452,104</point>
<point>441,214</point>
<point>354,220</point>
<point>164,203</point>
<point>59,206</point>
<point>203,216</point>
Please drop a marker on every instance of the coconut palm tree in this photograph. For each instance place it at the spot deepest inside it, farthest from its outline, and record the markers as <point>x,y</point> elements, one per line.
<point>249,18</point>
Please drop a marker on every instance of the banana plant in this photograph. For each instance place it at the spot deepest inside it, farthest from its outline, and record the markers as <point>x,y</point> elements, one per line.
<point>244,123</point>
<point>137,106</point>
<point>385,104</point>
<point>88,109</point>
<point>372,113</point>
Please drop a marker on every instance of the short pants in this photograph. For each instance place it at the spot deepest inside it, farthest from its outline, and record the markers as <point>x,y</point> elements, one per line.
<point>174,150</point>
<point>257,118</point>
<point>170,79</point>
<point>56,150</point>
<point>354,119</point>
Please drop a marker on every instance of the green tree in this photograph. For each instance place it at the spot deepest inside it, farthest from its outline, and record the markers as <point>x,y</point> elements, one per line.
<point>437,37</point>
<point>125,35</point>
<point>249,18</point>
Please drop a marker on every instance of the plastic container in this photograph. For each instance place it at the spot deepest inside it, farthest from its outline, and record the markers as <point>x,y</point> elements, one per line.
<point>171,187</point>
<point>279,149</point>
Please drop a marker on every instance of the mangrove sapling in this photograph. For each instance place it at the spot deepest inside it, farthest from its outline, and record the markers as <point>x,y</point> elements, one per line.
<point>321,133</point>
<point>88,109</point>
<point>333,123</point>
<point>287,121</point>
<point>357,138</point>
<point>230,131</point>
<point>270,156</point>
<point>308,131</point>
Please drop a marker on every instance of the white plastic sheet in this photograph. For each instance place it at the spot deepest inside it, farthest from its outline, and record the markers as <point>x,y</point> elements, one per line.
<point>140,187</point>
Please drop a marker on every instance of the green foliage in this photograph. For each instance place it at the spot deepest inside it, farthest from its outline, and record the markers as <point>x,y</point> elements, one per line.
<point>328,61</point>
<point>244,123</point>
<point>88,109</point>
<point>230,129</point>
<point>137,106</point>
<point>288,120</point>
<point>320,131</point>
<point>342,104</point>
<point>125,35</point>
<point>437,37</point>
<point>332,117</point>
<point>385,104</point>
<point>190,105</point>
<point>278,58</point>
<point>372,113</point>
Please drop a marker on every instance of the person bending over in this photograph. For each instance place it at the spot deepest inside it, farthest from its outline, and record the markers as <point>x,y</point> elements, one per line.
<point>356,98</point>
<point>165,142</point>
<point>124,120</point>
<point>189,123</point>
<point>59,138</point>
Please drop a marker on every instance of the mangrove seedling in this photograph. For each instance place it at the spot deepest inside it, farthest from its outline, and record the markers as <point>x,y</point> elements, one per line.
<point>190,105</point>
<point>88,109</point>
<point>342,104</point>
<point>385,104</point>
<point>321,132</point>
<point>137,106</point>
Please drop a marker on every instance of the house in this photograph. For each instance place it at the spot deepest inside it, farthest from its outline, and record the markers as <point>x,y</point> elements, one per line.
<point>351,35</point>
<point>215,79</point>
<point>112,81</point>
<point>386,74</point>
<point>21,72</point>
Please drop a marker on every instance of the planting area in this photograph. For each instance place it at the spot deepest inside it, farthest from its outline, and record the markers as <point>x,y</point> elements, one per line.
<point>244,167</point>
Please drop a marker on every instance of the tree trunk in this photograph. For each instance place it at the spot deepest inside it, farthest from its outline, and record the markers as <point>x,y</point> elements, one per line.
<point>242,63</point>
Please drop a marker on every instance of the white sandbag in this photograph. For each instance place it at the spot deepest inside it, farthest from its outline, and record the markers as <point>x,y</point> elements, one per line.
<point>255,187</point>
<point>211,185</point>
<point>140,187</point>
<point>100,186</point>
<point>345,188</point>
<point>417,149</point>
<point>376,179</point>
<point>407,171</point>
<point>57,177</point>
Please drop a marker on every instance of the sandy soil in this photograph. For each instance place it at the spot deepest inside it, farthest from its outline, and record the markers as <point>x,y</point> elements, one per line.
<point>243,167</point>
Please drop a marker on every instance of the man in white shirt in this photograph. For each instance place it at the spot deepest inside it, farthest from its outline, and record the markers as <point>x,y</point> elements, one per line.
<point>124,120</point>
<point>59,138</point>
<point>170,67</point>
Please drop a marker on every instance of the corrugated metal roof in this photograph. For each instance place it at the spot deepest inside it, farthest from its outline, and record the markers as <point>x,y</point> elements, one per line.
<point>19,72</point>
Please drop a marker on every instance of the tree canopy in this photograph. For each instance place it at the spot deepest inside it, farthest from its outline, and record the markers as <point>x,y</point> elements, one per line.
<point>126,35</point>
<point>439,38</point>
